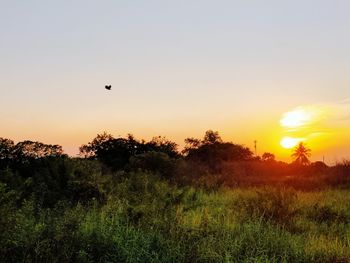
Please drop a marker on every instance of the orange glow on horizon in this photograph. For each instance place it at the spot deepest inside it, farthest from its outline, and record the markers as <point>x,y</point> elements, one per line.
<point>289,142</point>
<point>315,124</point>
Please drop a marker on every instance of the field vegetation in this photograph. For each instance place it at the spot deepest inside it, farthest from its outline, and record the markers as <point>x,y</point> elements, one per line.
<point>126,200</point>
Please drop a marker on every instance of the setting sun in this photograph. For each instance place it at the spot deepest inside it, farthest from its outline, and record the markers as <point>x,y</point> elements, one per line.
<point>306,123</point>
<point>296,118</point>
<point>289,142</point>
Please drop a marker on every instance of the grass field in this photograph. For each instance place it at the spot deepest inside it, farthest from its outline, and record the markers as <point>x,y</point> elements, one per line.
<point>145,219</point>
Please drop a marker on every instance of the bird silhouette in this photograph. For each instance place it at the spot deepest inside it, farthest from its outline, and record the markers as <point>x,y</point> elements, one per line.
<point>108,87</point>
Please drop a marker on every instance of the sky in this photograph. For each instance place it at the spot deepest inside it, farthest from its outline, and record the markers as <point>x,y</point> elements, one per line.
<point>177,69</point>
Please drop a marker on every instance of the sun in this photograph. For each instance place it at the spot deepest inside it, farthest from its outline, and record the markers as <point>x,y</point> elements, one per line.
<point>296,118</point>
<point>289,142</point>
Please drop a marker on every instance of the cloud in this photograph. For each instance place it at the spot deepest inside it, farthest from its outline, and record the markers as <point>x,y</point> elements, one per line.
<point>304,116</point>
<point>323,114</point>
<point>316,120</point>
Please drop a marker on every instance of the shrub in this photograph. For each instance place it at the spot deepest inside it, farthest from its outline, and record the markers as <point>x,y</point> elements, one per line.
<point>327,214</point>
<point>157,162</point>
<point>271,204</point>
<point>84,192</point>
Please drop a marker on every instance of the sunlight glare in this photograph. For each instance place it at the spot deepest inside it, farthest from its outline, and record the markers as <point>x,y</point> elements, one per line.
<point>296,118</point>
<point>289,142</point>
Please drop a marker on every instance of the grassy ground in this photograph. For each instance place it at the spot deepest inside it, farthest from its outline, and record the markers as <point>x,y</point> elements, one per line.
<point>147,220</point>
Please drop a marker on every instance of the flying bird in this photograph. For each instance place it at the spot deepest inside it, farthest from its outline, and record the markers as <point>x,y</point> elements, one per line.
<point>108,87</point>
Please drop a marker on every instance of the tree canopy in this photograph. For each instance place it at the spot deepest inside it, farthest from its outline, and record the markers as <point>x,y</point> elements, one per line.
<point>116,152</point>
<point>212,151</point>
<point>301,154</point>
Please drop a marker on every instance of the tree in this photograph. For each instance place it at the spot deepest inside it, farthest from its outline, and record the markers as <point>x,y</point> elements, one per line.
<point>268,157</point>
<point>116,152</point>
<point>191,143</point>
<point>34,150</point>
<point>89,150</point>
<point>212,137</point>
<point>156,162</point>
<point>163,145</point>
<point>6,151</point>
<point>212,151</point>
<point>301,154</point>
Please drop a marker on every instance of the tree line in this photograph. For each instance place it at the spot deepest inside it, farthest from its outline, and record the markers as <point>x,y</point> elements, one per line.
<point>116,153</point>
<point>47,173</point>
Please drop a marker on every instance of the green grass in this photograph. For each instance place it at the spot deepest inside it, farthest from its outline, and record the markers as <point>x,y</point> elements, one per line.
<point>147,220</point>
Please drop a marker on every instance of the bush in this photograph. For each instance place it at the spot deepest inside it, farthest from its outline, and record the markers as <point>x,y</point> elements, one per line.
<point>84,192</point>
<point>271,204</point>
<point>156,162</point>
<point>327,214</point>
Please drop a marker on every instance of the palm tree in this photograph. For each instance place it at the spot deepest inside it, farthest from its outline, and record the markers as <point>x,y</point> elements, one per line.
<point>301,154</point>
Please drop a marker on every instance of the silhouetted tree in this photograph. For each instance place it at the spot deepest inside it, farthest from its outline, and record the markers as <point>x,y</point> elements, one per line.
<point>116,152</point>
<point>89,150</point>
<point>6,151</point>
<point>212,151</point>
<point>211,137</point>
<point>158,162</point>
<point>318,167</point>
<point>161,144</point>
<point>268,157</point>
<point>33,150</point>
<point>191,143</point>
<point>301,154</point>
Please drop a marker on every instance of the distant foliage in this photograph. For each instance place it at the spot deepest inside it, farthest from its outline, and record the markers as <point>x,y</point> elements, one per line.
<point>301,154</point>
<point>212,151</point>
<point>6,150</point>
<point>90,150</point>
<point>268,157</point>
<point>26,151</point>
<point>116,152</point>
<point>157,162</point>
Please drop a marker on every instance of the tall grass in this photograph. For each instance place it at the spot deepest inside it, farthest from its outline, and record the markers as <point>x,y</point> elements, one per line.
<point>146,219</point>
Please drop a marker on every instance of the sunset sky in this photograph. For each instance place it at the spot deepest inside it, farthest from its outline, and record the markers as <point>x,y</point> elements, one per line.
<point>269,71</point>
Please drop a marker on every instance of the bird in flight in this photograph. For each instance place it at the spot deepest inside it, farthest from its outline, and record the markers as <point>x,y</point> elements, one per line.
<point>108,87</point>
